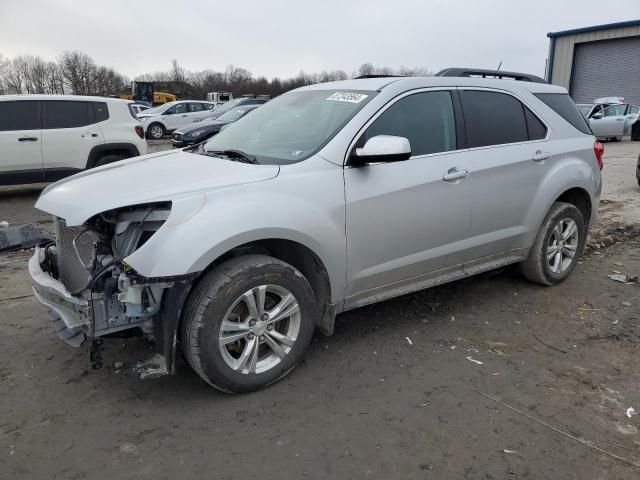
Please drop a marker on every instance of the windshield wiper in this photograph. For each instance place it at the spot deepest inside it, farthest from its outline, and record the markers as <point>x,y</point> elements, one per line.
<point>236,155</point>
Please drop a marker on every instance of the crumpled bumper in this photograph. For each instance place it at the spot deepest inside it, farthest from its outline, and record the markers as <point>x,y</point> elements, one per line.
<point>71,313</point>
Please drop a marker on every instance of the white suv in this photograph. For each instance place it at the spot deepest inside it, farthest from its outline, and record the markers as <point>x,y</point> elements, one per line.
<point>47,137</point>
<point>159,121</point>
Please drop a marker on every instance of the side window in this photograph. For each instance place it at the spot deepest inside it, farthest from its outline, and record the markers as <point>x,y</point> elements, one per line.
<point>615,110</point>
<point>426,119</point>
<point>535,128</point>
<point>634,110</point>
<point>100,111</point>
<point>66,114</point>
<point>195,107</point>
<point>208,106</point>
<point>493,118</point>
<point>178,108</point>
<point>22,115</point>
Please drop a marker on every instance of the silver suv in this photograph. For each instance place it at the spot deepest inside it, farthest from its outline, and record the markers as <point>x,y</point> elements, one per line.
<point>325,199</point>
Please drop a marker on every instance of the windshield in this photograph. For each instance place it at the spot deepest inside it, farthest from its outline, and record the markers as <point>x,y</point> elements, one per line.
<point>225,107</point>
<point>584,108</point>
<point>233,115</point>
<point>291,127</point>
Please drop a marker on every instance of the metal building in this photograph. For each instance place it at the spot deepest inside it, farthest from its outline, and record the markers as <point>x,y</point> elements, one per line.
<point>598,61</point>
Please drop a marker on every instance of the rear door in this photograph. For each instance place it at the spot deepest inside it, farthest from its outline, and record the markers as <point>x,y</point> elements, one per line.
<point>407,221</point>
<point>510,157</point>
<point>69,133</point>
<point>20,138</point>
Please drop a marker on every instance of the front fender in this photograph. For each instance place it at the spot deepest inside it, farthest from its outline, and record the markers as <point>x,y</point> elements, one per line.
<point>286,207</point>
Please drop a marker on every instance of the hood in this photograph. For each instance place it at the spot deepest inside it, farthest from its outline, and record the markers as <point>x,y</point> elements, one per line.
<point>157,177</point>
<point>206,124</point>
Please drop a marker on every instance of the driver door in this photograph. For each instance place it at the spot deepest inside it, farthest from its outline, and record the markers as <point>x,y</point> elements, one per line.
<point>407,221</point>
<point>176,116</point>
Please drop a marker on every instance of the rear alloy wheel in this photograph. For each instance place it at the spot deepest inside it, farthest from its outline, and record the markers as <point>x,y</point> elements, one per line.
<point>248,323</point>
<point>557,247</point>
<point>155,131</point>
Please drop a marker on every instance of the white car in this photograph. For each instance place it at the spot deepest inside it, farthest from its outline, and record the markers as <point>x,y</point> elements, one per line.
<point>159,121</point>
<point>610,121</point>
<point>47,137</point>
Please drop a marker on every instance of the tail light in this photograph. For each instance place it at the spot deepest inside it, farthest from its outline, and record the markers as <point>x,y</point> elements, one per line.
<point>140,131</point>
<point>598,150</point>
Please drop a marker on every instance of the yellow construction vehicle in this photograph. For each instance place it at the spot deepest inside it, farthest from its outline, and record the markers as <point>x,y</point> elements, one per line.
<point>143,92</point>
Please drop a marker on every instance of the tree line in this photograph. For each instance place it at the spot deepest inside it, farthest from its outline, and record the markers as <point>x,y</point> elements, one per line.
<point>77,73</point>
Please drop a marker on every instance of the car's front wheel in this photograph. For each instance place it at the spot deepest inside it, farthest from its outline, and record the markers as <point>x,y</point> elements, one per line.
<point>248,323</point>
<point>557,247</point>
<point>156,131</point>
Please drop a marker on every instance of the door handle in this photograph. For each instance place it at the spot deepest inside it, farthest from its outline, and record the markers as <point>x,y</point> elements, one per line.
<point>89,134</point>
<point>454,174</point>
<point>619,119</point>
<point>184,115</point>
<point>540,156</point>
<point>28,139</point>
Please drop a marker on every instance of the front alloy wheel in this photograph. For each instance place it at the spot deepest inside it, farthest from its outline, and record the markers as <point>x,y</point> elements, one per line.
<point>248,323</point>
<point>156,131</point>
<point>259,329</point>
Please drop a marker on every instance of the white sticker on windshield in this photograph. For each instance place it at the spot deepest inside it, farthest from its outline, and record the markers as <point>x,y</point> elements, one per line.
<point>347,97</point>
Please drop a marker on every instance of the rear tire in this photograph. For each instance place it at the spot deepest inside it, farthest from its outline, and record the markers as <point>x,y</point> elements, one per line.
<point>557,247</point>
<point>226,344</point>
<point>156,131</point>
<point>107,159</point>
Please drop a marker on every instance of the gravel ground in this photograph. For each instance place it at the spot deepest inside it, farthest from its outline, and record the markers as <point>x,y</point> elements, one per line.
<point>486,378</point>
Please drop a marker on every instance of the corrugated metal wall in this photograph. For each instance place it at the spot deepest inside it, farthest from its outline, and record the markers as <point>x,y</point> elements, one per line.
<point>607,68</point>
<point>564,50</point>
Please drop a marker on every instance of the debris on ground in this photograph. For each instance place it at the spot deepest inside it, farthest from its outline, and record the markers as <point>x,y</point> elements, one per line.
<point>630,412</point>
<point>17,238</point>
<point>471,359</point>
<point>509,451</point>
<point>118,364</point>
<point>618,277</point>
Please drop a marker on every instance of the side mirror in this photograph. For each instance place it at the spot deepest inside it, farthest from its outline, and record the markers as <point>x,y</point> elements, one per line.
<point>597,115</point>
<point>382,148</point>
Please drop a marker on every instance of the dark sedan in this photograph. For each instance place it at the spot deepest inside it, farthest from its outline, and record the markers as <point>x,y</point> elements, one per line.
<point>202,130</point>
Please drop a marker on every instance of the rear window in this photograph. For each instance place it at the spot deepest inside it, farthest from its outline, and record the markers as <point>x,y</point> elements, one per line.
<point>67,114</point>
<point>493,118</point>
<point>562,104</point>
<point>21,115</point>
<point>100,111</point>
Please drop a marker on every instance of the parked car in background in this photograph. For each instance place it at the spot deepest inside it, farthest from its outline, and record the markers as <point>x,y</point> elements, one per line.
<point>47,137</point>
<point>238,102</point>
<point>328,198</point>
<point>139,108</point>
<point>201,130</point>
<point>610,121</point>
<point>158,121</point>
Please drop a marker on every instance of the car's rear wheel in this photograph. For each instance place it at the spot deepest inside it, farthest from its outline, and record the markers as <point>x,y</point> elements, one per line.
<point>558,245</point>
<point>248,323</point>
<point>156,131</point>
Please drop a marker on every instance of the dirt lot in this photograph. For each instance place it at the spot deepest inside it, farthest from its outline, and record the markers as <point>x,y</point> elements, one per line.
<point>487,378</point>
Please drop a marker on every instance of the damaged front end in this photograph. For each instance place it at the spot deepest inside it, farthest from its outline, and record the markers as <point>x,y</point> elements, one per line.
<point>83,278</point>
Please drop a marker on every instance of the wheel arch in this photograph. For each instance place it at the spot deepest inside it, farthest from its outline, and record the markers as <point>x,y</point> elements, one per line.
<point>127,150</point>
<point>300,256</point>
<point>581,199</point>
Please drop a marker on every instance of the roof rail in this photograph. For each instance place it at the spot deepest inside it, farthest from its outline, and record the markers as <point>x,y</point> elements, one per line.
<point>375,75</point>
<point>478,72</point>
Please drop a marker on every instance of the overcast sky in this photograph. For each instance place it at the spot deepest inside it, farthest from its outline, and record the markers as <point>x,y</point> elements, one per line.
<point>283,37</point>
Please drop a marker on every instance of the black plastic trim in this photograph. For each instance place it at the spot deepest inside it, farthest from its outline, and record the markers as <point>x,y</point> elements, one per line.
<point>100,150</point>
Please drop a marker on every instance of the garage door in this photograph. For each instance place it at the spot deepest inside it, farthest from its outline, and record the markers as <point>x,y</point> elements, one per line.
<point>607,68</point>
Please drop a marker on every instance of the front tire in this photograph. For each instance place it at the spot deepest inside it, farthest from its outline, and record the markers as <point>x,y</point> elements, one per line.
<point>248,323</point>
<point>557,247</point>
<point>156,131</point>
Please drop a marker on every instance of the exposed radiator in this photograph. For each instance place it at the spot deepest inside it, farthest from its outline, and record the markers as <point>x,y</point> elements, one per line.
<point>72,273</point>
